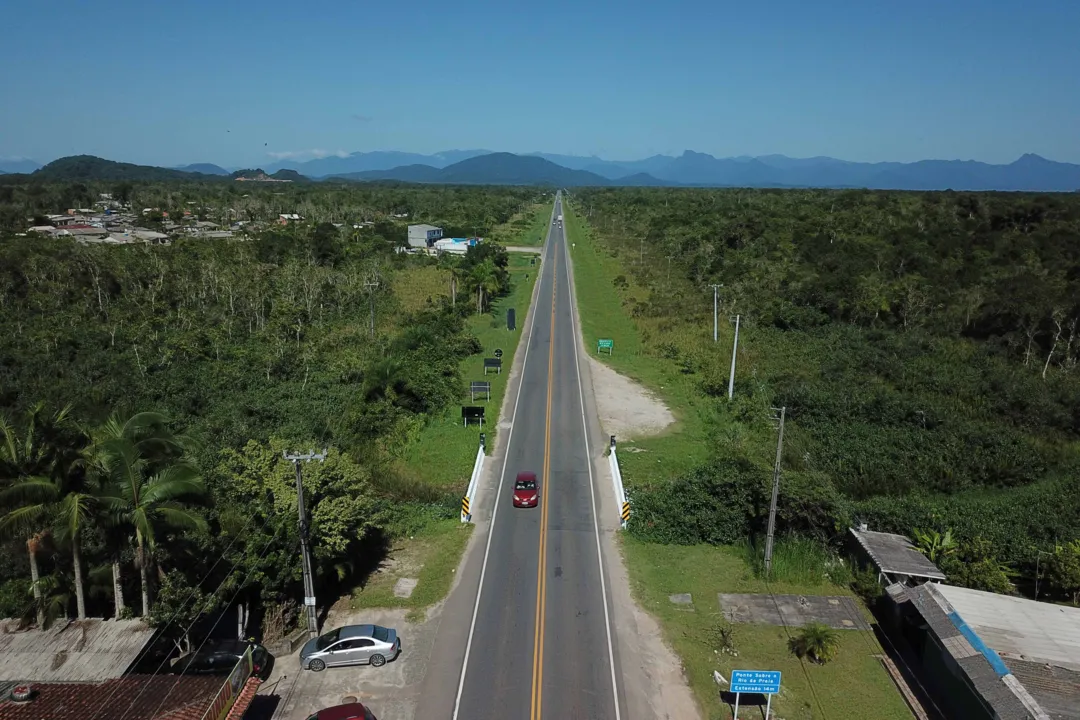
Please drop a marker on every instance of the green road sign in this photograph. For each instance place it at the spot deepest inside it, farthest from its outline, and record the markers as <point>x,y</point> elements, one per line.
<point>605,344</point>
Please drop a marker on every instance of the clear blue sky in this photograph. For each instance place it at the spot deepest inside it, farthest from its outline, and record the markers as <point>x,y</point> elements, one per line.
<point>162,83</point>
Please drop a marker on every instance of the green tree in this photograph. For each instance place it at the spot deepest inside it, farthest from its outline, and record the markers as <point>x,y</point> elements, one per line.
<point>817,642</point>
<point>1063,570</point>
<point>145,475</point>
<point>976,565</point>
<point>484,279</point>
<point>33,466</point>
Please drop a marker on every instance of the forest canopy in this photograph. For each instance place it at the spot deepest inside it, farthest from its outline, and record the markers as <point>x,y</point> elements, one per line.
<point>924,344</point>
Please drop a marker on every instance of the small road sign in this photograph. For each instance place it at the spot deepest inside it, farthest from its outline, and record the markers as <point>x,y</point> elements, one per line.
<point>605,344</point>
<point>764,682</point>
<point>498,353</point>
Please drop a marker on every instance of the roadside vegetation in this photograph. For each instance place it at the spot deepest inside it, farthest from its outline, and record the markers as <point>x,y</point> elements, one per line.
<point>148,394</point>
<point>925,348</point>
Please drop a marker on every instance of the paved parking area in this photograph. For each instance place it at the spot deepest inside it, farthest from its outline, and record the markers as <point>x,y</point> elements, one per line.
<point>839,612</point>
<point>391,692</point>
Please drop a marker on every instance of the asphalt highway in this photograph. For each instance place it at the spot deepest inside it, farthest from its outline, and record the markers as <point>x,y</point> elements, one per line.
<point>540,645</point>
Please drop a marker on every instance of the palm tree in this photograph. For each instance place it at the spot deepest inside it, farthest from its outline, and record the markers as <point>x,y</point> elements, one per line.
<point>31,464</point>
<point>485,279</point>
<point>816,641</point>
<point>144,475</point>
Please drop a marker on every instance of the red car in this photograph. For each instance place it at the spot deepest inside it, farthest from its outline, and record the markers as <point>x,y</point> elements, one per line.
<point>526,490</point>
<point>350,711</point>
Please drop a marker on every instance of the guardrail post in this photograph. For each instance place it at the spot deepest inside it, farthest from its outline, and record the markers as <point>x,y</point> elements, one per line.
<point>616,480</point>
<point>474,480</point>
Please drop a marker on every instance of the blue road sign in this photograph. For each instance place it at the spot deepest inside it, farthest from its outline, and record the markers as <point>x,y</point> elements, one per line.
<point>766,682</point>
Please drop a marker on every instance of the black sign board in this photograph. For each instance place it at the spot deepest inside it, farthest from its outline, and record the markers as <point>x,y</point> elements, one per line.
<point>474,413</point>
<point>498,353</point>
<point>492,364</point>
<point>480,387</point>
<point>511,319</point>
<point>532,261</point>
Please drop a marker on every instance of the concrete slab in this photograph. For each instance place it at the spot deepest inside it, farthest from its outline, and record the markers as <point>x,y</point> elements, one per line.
<point>838,612</point>
<point>404,587</point>
<point>681,599</point>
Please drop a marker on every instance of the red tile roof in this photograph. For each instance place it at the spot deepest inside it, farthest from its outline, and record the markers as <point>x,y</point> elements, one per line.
<point>243,700</point>
<point>135,697</point>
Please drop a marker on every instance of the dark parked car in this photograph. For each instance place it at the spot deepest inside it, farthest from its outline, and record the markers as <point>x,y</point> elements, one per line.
<point>349,711</point>
<point>219,657</point>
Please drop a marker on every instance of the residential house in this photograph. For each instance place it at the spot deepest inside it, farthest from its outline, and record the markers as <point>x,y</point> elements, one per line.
<point>424,236</point>
<point>86,670</point>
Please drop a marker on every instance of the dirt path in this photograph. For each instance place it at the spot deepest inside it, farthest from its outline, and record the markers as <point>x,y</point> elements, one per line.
<point>627,410</point>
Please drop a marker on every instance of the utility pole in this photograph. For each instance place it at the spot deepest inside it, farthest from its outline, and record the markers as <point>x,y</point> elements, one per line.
<point>734,351</point>
<point>305,549</point>
<point>372,283</point>
<point>669,269</point>
<point>715,291</point>
<point>775,493</point>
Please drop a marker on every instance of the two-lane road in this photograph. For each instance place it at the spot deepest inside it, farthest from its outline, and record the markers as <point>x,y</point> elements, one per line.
<point>539,644</point>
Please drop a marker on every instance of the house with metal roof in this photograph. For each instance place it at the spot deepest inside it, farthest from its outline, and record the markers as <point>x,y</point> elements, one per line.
<point>992,656</point>
<point>896,559</point>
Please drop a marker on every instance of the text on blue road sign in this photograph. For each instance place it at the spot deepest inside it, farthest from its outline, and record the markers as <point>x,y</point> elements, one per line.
<point>766,682</point>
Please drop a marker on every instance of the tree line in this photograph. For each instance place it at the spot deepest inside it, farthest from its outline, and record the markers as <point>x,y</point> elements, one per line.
<point>148,394</point>
<point>925,346</point>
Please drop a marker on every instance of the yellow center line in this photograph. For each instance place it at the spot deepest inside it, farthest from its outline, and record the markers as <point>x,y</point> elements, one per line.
<point>541,574</point>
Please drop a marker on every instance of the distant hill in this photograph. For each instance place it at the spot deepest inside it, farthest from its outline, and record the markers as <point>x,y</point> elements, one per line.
<point>88,167</point>
<point>18,165</point>
<point>359,162</point>
<point>258,174</point>
<point>204,168</point>
<point>490,169</point>
<point>1030,173</point>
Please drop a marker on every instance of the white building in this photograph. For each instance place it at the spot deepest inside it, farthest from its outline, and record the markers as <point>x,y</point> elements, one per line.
<point>423,236</point>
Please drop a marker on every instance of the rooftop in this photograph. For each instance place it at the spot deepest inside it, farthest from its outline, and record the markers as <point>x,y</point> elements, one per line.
<point>77,651</point>
<point>894,554</point>
<point>1020,628</point>
<point>145,697</point>
<point>1020,655</point>
<point>422,226</point>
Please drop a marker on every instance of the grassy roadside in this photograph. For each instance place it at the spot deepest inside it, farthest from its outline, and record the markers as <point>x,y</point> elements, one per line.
<point>603,292</point>
<point>444,454</point>
<point>843,688</point>
<point>528,228</point>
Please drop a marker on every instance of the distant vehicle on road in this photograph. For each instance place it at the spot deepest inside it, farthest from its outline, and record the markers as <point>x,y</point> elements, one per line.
<point>351,645</point>
<point>219,657</point>
<point>526,490</point>
<point>349,711</point>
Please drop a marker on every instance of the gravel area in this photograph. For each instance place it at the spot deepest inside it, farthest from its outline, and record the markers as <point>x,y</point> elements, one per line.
<point>627,410</point>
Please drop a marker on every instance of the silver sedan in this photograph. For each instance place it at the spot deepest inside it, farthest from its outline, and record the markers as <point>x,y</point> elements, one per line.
<point>351,645</point>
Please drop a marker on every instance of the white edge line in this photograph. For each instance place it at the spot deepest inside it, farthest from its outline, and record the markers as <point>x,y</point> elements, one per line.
<point>498,493</point>
<point>592,485</point>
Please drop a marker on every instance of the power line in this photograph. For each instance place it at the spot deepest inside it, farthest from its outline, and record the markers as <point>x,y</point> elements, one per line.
<point>775,494</point>
<point>715,296</point>
<point>305,549</point>
<point>239,588</point>
<point>182,608</point>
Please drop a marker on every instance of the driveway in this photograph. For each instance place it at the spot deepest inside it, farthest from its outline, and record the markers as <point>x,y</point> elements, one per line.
<point>391,692</point>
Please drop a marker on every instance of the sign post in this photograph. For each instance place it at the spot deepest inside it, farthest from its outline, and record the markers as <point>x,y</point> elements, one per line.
<point>759,682</point>
<point>605,344</point>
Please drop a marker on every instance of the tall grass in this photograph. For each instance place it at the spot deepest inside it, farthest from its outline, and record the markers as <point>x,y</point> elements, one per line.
<point>798,561</point>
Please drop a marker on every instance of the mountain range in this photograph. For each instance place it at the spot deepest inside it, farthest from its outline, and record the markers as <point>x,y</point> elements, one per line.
<point>1028,173</point>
